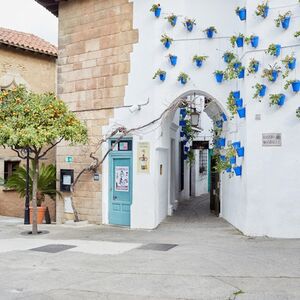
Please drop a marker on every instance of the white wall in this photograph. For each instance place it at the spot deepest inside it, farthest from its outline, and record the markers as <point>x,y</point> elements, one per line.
<point>264,200</point>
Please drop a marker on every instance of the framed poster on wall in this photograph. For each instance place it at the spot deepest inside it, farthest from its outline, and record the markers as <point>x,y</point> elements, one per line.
<point>143,157</point>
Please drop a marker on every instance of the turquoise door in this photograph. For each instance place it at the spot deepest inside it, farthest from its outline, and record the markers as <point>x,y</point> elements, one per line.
<point>120,189</point>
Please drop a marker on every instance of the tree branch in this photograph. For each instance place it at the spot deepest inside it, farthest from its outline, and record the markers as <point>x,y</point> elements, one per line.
<point>18,153</point>
<point>51,147</point>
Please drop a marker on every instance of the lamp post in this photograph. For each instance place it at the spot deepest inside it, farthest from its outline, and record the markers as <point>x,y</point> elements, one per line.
<point>27,198</point>
<point>195,117</point>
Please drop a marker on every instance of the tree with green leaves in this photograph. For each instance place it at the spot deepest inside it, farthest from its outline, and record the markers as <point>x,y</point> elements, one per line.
<point>37,122</point>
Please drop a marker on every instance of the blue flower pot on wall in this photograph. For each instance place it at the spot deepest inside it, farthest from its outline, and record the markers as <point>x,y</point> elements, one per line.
<point>183,112</point>
<point>256,67</point>
<point>242,112</point>
<point>239,102</point>
<point>236,65</point>
<point>219,77</point>
<point>238,170</point>
<point>182,123</point>
<point>232,160</point>
<point>242,14</point>
<point>173,60</point>
<point>236,94</point>
<point>278,50</point>
<point>274,75</point>
<point>262,91</point>
<point>224,117</point>
<point>254,41</point>
<point>292,64</point>
<point>228,170</point>
<point>210,33</point>
<point>266,11</point>
<point>162,76</point>
<point>183,81</point>
<point>240,152</point>
<point>226,58</point>
<point>199,63</point>
<point>221,142</point>
<point>174,21</point>
<point>223,157</point>
<point>281,100</point>
<point>186,149</point>
<point>189,26</point>
<point>167,44</point>
<point>219,123</point>
<point>285,23</point>
<point>182,134</point>
<point>157,12</point>
<point>236,145</point>
<point>240,42</point>
<point>241,74</point>
<point>296,86</point>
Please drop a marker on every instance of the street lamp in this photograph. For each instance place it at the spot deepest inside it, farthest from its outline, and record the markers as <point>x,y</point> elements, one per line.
<point>195,117</point>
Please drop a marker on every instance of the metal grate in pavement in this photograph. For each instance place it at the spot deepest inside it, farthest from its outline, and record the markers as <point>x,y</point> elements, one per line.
<point>53,248</point>
<point>158,247</point>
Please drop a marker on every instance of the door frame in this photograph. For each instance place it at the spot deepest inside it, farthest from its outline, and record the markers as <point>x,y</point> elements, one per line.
<point>115,155</point>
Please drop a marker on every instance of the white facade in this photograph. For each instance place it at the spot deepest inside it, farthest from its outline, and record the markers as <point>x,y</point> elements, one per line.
<point>265,199</point>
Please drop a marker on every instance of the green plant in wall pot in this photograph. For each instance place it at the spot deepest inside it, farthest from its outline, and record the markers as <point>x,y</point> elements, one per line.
<point>221,165</point>
<point>297,34</point>
<point>284,20</point>
<point>262,10</point>
<point>161,74</point>
<point>273,50</point>
<point>295,84</point>
<point>237,40</point>
<point>230,152</point>
<point>277,99</point>
<point>199,59</point>
<point>156,9</point>
<point>290,64</point>
<point>233,69</point>
<point>210,31</point>
<point>183,78</point>
<point>229,56</point>
<point>260,91</point>
<point>231,105</point>
<point>166,40</point>
<point>298,112</point>
<point>172,19</point>
<point>271,73</point>
<point>253,66</point>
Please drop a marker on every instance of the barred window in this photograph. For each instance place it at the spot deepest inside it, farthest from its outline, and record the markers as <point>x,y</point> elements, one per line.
<point>203,156</point>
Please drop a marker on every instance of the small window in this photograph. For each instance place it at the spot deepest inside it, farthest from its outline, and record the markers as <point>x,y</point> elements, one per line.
<point>9,168</point>
<point>203,154</point>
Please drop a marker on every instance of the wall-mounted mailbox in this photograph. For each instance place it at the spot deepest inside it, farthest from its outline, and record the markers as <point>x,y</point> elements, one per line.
<point>66,180</point>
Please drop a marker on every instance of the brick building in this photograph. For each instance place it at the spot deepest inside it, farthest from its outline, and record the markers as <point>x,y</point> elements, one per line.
<point>29,60</point>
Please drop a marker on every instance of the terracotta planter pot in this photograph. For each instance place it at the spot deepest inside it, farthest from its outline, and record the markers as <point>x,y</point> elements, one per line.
<point>40,214</point>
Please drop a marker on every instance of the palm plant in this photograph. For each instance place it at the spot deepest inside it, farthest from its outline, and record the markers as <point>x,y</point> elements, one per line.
<point>46,182</point>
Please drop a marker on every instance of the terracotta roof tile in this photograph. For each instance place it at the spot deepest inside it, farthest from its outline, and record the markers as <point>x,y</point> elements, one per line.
<point>26,41</point>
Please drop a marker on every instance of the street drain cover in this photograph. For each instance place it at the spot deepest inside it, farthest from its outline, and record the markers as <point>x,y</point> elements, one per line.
<point>158,247</point>
<point>53,248</point>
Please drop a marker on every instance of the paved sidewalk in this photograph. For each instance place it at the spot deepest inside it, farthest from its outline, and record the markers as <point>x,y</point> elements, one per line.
<point>192,255</point>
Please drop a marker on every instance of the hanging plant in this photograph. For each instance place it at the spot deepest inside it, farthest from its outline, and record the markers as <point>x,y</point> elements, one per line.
<point>272,73</point>
<point>219,75</point>
<point>260,91</point>
<point>183,78</point>
<point>166,40</point>
<point>189,24</point>
<point>231,104</point>
<point>298,112</point>
<point>229,56</point>
<point>156,9</point>
<point>173,59</point>
<point>234,70</point>
<point>253,39</point>
<point>161,74</point>
<point>241,112</point>
<point>295,84</point>
<point>241,73</point>
<point>253,66</point>
<point>262,10</point>
<point>284,20</point>
<point>241,12</point>
<point>210,31</point>
<point>172,19</point>
<point>237,40</point>
<point>274,50</point>
<point>221,164</point>
<point>198,59</point>
<point>290,64</point>
<point>297,34</point>
<point>277,99</point>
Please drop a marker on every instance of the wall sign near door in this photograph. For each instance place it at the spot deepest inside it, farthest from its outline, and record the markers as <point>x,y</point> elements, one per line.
<point>121,179</point>
<point>271,140</point>
<point>143,157</point>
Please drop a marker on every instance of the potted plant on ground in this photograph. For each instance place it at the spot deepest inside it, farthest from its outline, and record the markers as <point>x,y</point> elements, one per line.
<point>277,99</point>
<point>183,78</point>
<point>295,84</point>
<point>172,19</point>
<point>219,75</point>
<point>156,9</point>
<point>46,186</point>
<point>241,12</point>
<point>210,31</point>
<point>237,40</point>
<point>253,66</point>
<point>161,74</point>
<point>253,39</point>
<point>189,24</point>
<point>173,59</point>
<point>262,10</point>
<point>199,59</point>
<point>274,50</point>
<point>260,91</point>
<point>166,40</point>
<point>284,20</point>
<point>229,56</point>
<point>271,73</point>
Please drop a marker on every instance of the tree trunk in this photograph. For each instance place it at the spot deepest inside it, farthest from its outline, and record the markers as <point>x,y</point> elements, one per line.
<point>34,194</point>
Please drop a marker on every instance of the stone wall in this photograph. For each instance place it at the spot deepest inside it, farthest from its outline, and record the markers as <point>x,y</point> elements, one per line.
<point>96,38</point>
<point>38,73</point>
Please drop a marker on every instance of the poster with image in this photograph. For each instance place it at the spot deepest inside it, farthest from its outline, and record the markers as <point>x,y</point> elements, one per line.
<point>121,179</point>
<point>143,159</point>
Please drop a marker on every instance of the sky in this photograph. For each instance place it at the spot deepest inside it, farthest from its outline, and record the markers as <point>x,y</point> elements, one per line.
<point>29,16</point>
